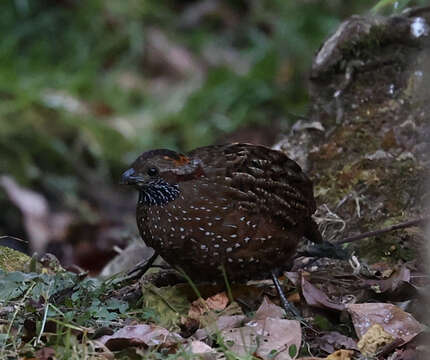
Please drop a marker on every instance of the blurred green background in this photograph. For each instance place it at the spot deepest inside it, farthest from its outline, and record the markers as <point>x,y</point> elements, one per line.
<point>85,86</point>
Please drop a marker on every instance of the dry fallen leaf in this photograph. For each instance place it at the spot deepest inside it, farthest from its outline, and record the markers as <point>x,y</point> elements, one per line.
<point>332,341</point>
<point>266,339</point>
<point>201,350</point>
<point>140,335</point>
<point>199,307</point>
<point>391,284</point>
<point>394,320</point>
<point>45,353</point>
<point>222,323</point>
<point>218,302</point>
<point>406,354</point>
<point>316,297</point>
<point>293,276</point>
<point>188,326</point>
<point>268,309</point>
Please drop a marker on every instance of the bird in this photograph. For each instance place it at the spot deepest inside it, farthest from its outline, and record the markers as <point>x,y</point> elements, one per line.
<point>237,210</point>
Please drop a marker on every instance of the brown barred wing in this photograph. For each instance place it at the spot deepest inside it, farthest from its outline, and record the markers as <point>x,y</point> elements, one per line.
<point>262,180</point>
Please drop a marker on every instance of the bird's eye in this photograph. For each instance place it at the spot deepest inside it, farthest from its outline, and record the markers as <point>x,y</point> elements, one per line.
<point>152,171</point>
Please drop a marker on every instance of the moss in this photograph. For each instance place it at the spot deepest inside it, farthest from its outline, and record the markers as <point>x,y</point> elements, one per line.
<point>12,260</point>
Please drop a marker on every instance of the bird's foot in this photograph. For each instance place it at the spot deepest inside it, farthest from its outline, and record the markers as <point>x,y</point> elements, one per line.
<point>288,307</point>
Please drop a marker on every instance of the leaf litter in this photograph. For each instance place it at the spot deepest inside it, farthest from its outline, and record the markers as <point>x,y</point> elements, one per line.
<point>167,319</point>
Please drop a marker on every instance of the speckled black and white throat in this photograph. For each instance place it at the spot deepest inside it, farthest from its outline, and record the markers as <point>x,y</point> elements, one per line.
<point>158,192</point>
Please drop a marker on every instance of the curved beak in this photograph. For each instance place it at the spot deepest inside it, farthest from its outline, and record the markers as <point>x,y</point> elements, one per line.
<point>128,177</point>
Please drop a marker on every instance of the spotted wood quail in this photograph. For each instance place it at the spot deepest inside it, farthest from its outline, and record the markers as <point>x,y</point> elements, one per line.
<point>242,206</point>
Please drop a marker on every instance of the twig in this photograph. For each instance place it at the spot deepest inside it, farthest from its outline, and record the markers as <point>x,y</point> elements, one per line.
<point>411,12</point>
<point>402,225</point>
<point>13,238</point>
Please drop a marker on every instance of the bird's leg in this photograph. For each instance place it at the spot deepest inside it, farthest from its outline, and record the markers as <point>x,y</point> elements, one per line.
<point>287,306</point>
<point>141,268</point>
<point>167,277</point>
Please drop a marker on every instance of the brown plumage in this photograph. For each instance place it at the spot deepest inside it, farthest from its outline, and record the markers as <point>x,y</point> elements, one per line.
<point>242,206</point>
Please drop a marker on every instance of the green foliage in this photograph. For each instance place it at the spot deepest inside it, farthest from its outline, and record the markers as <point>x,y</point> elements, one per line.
<point>81,48</point>
<point>226,101</point>
<point>61,304</point>
<point>323,323</point>
<point>83,304</point>
<point>292,350</point>
<point>396,6</point>
<point>80,96</point>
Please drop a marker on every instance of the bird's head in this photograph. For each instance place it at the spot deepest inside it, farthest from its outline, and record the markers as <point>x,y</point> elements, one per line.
<point>157,174</point>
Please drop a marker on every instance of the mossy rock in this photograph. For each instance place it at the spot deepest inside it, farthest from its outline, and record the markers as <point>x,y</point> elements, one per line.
<point>13,260</point>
